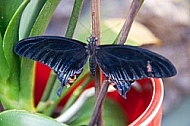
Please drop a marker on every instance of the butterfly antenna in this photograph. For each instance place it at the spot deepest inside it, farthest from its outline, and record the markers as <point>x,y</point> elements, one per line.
<point>110,28</point>
<point>89,30</point>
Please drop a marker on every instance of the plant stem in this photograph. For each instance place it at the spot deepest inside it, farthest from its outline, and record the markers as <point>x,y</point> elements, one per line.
<point>96,19</point>
<point>99,103</point>
<point>49,86</point>
<point>74,18</point>
<point>95,8</point>
<point>77,91</point>
<point>134,8</point>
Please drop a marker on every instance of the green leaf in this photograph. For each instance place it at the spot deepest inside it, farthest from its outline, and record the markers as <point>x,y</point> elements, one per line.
<point>74,18</point>
<point>27,70</point>
<point>4,73</point>
<point>10,89</point>
<point>113,114</point>
<point>7,10</point>
<point>11,37</point>
<point>25,118</point>
<point>29,17</point>
<point>44,17</point>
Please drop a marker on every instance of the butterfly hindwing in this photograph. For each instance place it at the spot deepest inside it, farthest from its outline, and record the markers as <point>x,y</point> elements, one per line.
<point>65,56</point>
<point>124,63</point>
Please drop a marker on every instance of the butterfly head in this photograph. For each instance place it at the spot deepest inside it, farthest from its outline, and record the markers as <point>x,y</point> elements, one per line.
<point>92,44</point>
<point>92,40</point>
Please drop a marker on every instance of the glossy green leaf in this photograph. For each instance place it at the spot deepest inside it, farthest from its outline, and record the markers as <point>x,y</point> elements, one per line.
<point>27,70</point>
<point>4,73</point>
<point>10,89</point>
<point>25,118</point>
<point>74,18</point>
<point>7,10</point>
<point>44,17</point>
<point>29,17</point>
<point>113,114</point>
<point>11,37</point>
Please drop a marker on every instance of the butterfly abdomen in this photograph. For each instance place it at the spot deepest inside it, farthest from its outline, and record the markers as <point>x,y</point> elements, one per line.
<point>92,65</point>
<point>92,49</point>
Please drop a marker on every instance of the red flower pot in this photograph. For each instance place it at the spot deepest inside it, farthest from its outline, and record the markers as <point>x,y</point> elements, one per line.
<point>143,105</point>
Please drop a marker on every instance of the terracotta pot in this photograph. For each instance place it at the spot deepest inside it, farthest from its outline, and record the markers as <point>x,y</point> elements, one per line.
<point>143,105</point>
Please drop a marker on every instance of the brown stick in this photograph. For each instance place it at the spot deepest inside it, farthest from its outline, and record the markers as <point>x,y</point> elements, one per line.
<point>98,103</point>
<point>98,78</point>
<point>135,6</point>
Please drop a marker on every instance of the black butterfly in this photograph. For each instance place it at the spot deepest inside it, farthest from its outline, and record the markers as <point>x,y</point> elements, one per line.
<point>121,64</point>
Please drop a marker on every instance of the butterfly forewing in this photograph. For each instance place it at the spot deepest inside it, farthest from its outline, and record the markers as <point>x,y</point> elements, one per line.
<point>124,63</point>
<point>65,56</point>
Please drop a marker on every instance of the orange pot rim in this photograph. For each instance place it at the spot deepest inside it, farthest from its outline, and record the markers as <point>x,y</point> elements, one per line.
<point>154,106</point>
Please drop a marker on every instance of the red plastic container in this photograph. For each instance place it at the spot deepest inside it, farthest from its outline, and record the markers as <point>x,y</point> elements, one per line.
<point>143,106</point>
<point>152,115</point>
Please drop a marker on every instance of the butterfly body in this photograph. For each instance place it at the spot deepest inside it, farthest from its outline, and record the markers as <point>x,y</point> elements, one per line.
<point>121,64</point>
<point>92,50</point>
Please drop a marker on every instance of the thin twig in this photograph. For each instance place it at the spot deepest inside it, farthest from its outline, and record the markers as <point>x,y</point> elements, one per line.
<point>96,19</point>
<point>96,33</point>
<point>134,8</point>
<point>98,103</point>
